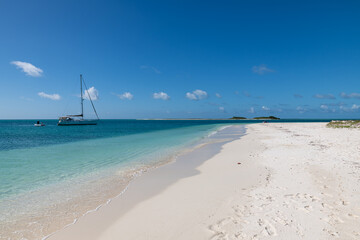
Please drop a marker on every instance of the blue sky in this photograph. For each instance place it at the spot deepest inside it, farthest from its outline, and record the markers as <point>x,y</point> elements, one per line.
<point>169,59</point>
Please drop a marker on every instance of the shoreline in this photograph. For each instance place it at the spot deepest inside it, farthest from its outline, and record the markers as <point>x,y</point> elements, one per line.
<point>59,205</point>
<point>158,179</point>
<point>294,181</point>
<point>212,143</point>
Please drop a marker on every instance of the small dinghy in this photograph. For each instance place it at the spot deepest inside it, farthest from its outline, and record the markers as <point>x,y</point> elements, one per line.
<point>39,124</point>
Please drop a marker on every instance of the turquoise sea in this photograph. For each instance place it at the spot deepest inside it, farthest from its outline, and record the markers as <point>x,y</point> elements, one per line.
<point>50,176</point>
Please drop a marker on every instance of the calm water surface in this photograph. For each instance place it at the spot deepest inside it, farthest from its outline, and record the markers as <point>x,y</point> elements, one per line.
<point>48,172</point>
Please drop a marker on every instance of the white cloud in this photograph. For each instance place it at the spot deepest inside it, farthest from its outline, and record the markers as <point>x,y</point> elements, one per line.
<point>28,68</point>
<point>350,95</point>
<point>191,96</point>
<point>150,67</point>
<point>261,69</point>
<point>324,96</point>
<point>324,107</point>
<point>222,109</point>
<point>126,95</point>
<point>54,96</point>
<point>252,110</point>
<point>196,95</point>
<point>200,94</point>
<point>265,108</point>
<point>355,107</point>
<point>161,95</point>
<point>93,92</point>
<point>218,95</point>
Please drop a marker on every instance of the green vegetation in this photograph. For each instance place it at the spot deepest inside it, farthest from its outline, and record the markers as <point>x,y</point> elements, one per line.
<point>344,124</point>
<point>238,118</point>
<point>267,118</point>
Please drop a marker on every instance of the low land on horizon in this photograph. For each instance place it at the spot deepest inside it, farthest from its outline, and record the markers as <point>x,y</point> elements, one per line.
<point>232,118</point>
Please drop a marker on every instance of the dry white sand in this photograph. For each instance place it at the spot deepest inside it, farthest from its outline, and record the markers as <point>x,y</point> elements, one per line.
<point>295,181</point>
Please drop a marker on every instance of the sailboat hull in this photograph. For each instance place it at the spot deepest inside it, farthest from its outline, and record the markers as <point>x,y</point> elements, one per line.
<point>77,122</point>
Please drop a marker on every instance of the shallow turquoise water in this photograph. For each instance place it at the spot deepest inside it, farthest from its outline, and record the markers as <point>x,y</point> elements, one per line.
<point>47,171</point>
<point>32,157</point>
<point>35,156</point>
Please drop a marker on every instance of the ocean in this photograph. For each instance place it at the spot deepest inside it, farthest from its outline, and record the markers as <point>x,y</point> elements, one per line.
<point>50,176</point>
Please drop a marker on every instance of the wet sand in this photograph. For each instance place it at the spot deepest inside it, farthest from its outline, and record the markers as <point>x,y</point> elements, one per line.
<point>281,180</point>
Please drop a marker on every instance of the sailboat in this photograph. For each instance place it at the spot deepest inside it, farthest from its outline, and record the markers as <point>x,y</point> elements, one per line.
<point>70,120</point>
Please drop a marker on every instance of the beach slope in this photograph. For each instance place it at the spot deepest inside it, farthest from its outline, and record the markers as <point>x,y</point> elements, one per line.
<point>281,180</point>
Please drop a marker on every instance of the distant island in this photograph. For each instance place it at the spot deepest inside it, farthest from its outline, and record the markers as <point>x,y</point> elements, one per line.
<point>256,118</point>
<point>243,118</point>
<point>270,117</point>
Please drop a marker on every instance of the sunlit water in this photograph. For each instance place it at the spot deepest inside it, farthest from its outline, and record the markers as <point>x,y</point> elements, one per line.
<point>52,175</point>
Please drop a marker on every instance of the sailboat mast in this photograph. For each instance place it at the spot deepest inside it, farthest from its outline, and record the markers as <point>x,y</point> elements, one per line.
<point>81,96</point>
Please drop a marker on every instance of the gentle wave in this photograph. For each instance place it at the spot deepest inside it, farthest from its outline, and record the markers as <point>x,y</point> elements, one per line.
<point>81,196</point>
<point>139,172</point>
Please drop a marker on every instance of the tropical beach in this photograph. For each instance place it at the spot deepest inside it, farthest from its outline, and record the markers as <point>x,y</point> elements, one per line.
<point>51,182</point>
<point>216,120</point>
<point>217,180</point>
<point>280,180</point>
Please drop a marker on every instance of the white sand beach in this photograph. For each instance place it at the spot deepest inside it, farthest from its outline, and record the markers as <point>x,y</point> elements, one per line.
<point>279,181</point>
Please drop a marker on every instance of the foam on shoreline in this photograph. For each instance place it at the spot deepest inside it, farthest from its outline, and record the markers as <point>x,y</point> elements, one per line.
<point>183,166</point>
<point>173,158</point>
<point>283,181</point>
<point>87,199</point>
